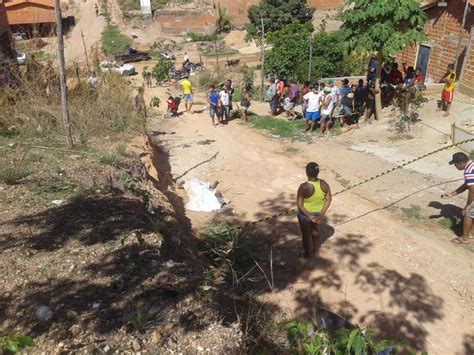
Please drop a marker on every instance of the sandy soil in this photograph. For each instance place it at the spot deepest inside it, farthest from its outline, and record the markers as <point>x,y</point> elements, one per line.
<point>379,267</point>
<point>89,24</point>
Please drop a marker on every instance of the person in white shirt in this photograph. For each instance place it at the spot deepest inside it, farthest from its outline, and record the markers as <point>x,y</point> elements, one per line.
<point>186,58</point>
<point>224,102</point>
<point>328,103</point>
<point>92,81</point>
<point>313,102</point>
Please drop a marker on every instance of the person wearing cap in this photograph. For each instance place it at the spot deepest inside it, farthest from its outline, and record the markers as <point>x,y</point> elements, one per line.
<point>313,102</point>
<point>326,110</point>
<point>462,162</point>
<point>313,201</point>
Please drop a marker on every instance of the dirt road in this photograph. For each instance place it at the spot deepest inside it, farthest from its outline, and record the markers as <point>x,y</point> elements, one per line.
<point>87,23</point>
<point>391,270</point>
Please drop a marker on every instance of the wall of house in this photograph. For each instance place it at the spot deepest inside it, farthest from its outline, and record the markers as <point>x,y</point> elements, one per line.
<point>182,22</point>
<point>466,80</point>
<point>29,13</point>
<point>325,4</point>
<point>443,28</point>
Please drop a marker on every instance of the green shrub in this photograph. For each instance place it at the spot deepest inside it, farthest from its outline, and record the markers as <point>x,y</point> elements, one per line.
<point>160,70</point>
<point>14,343</point>
<point>199,37</point>
<point>110,159</point>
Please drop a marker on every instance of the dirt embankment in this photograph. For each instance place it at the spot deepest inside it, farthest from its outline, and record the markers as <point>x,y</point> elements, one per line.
<point>112,257</point>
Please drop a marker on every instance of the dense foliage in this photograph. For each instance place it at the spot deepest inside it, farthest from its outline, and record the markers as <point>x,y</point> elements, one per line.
<point>291,45</point>
<point>380,25</point>
<point>276,15</point>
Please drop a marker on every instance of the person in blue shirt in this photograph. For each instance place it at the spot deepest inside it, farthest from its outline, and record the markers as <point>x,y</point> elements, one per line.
<point>213,100</point>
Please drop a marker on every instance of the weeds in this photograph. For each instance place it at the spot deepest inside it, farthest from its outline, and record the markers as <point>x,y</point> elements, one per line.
<point>121,150</point>
<point>399,137</point>
<point>110,159</point>
<point>306,338</point>
<point>449,223</point>
<point>142,316</point>
<point>15,343</point>
<point>413,212</point>
<point>113,41</point>
<point>219,52</point>
<point>342,181</point>
<point>13,175</point>
<point>279,127</point>
<point>198,37</point>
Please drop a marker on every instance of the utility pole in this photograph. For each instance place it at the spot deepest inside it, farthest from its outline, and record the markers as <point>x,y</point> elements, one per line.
<point>217,59</point>
<point>85,50</point>
<point>262,74</point>
<point>62,74</point>
<point>310,57</point>
<point>458,48</point>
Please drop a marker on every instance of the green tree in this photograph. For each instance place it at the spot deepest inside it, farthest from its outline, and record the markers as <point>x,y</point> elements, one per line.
<point>160,71</point>
<point>382,27</point>
<point>276,15</point>
<point>291,45</point>
<point>223,23</point>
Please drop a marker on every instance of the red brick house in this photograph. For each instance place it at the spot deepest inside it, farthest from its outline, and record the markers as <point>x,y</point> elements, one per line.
<point>30,15</point>
<point>443,29</point>
<point>6,44</point>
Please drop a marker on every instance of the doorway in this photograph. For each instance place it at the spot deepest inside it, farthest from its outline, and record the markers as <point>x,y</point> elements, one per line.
<point>423,58</point>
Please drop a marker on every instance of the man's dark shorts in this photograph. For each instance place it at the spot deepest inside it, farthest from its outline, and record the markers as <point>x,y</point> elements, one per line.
<point>305,221</point>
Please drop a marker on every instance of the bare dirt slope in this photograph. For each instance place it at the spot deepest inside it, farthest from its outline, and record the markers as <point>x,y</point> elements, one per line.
<point>392,270</point>
<point>89,24</point>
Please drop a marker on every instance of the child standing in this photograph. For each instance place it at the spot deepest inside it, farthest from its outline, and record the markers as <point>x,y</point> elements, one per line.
<point>213,100</point>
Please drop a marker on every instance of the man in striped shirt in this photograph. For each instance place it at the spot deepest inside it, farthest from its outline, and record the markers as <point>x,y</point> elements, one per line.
<point>462,162</point>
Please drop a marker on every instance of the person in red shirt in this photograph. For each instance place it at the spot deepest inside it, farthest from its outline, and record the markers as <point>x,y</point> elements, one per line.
<point>395,77</point>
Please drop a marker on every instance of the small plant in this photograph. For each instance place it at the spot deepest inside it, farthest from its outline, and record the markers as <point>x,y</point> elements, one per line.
<point>305,338</point>
<point>155,102</point>
<point>12,175</point>
<point>14,343</point>
<point>400,136</point>
<point>160,70</point>
<point>449,223</point>
<point>142,316</point>
<point>121,150</point>
<point>413,212</point>
<point>223,22</point>
<point>110,159</point>
<point>132,184</point>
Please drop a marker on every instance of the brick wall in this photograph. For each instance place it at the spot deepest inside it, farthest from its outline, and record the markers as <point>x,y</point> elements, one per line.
<point>237,9</point>
<point>467,77</point>
<point>325,4</point>
<point>443,28</point>
<point>182,22</point>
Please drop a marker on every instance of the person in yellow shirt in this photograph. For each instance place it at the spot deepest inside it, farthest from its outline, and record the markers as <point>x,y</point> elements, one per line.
<point>313,200</point>
<point>448,91</point>
<point>188,93</point>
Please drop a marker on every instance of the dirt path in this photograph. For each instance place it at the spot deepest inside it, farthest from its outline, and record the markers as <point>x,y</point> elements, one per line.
<point>382,270</point>
<point>89,24</point>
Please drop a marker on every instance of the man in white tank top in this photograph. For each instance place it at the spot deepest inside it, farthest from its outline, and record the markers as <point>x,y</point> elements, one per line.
<point>327,110</point>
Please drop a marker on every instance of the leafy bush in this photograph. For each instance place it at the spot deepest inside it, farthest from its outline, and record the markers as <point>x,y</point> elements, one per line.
<point>305,338</point>
<point>143,316</point>
<point>330,58</point>
<point>223,23</point>
<point>276,15</point>
<point>199,37</point>
<point>160,70</point>
<point>14,343</point>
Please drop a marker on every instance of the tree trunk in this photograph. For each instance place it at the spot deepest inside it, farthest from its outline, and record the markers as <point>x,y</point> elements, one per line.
<point>378,81</point>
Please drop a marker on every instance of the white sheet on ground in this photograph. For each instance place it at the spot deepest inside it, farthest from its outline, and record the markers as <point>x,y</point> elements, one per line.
<point>201,197</point>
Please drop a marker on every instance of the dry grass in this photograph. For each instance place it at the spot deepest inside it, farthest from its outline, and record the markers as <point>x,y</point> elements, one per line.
<point>33,107</point>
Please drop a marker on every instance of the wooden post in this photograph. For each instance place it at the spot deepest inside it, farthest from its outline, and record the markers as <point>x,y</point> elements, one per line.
<point>310,56</point>
<point>62,74</point>
<point>85,51</point>
<point>458,48</point>
<point>262,49</point>
<point>217,59</point>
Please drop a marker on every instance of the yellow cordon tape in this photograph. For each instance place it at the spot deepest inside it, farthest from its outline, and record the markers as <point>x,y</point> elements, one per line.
<point>293,210</point>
